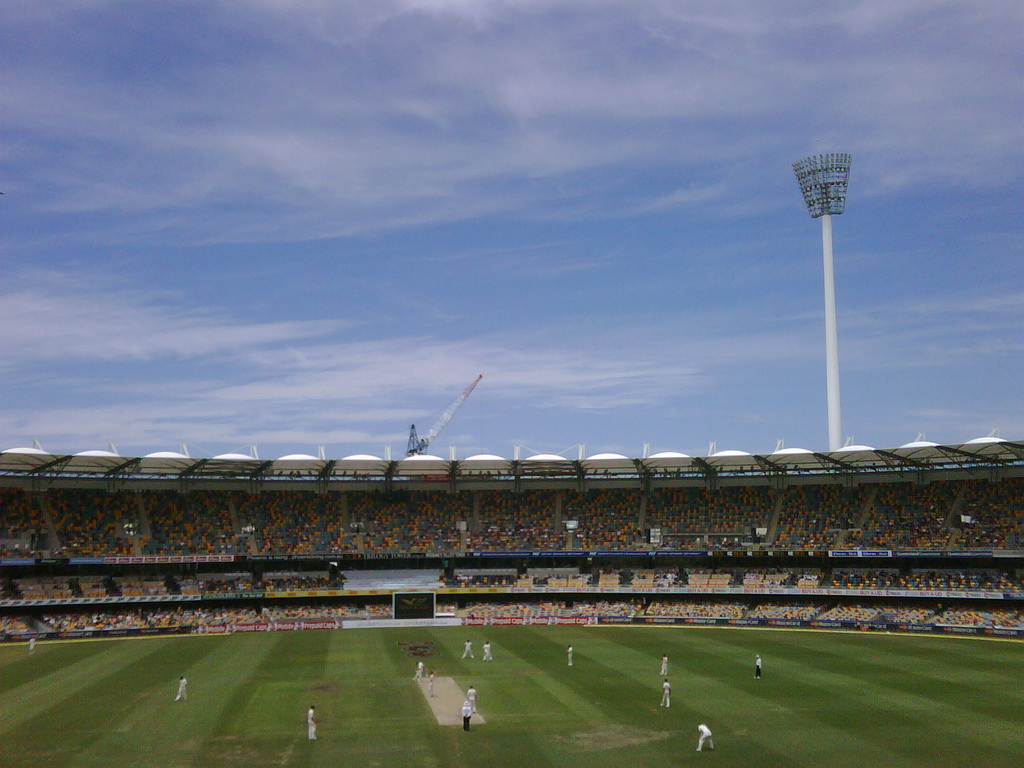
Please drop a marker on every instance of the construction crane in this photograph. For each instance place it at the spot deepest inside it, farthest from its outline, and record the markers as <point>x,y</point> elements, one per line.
<point>417,444</point>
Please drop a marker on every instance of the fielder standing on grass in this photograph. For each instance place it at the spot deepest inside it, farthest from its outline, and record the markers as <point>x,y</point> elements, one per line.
<point>311,722</point>
<point>182,689</point>
<point>419,671</point>
<point>487,651</point>
<point>666,694</point>
<point>757,666</point>
<point>664,665</point>
<point>471,696</point>
<point>430,683</point>
<point>569,654</point>
<point>467,649</point>
<point>705,735</point>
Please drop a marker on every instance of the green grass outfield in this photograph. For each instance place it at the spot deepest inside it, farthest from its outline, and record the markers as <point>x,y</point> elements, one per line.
<point>827,699</point>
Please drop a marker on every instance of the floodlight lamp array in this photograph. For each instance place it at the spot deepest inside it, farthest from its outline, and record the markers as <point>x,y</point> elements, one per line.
<point>823,180</point>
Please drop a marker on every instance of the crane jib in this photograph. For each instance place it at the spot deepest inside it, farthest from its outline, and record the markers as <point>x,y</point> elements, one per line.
<point>417,444</point>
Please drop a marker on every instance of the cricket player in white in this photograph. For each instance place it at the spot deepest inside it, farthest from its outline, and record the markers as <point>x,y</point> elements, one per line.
<point>311,722</point>
<point>666,694</point>
<point>569,654</point>
<point>31,646</point>
<point>467,649</point>
<point>430,684</point>
<point>182,689</point>
<point>757,667</point>
<point>705,735</point>
<point>471,695</point>
<point>419,671</point>
<point>664,665</point>
<point>487,651</point>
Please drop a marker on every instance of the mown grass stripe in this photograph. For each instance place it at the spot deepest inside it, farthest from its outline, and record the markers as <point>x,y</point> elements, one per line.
<point>827,699</point>
<point>57,691</point>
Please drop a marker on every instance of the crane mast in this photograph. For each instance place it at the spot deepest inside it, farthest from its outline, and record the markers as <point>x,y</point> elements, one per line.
<point>417,444</point>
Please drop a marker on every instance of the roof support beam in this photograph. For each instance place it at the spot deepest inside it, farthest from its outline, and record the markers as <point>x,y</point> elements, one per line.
<point>124,468</point>
<point>902,461</point>
<point>709,472</point>
<point>57,463</point>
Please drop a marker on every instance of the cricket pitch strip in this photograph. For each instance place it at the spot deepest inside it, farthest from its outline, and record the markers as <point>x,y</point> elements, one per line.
<point>446,703</point>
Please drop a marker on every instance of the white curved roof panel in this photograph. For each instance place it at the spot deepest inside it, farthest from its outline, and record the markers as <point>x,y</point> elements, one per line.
<point>794,457</point>
<point>610,464</point>
<point>921,451</point>
<point>920,444</point>
<point>732,460</point>
<point>423,464</point>
<point>88,466</point>
<point>296,465</point>
<point>28,451</point>
<point>854,456</point>
<point>165,463</point>
<point>93,462</point>
<point>22,460</point>
<point>669,461</point>
<point>485,464</point>
<point>360,464</point>
<point>990,447</point>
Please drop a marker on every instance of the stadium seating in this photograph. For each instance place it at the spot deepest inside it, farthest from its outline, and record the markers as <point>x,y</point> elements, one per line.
<point>901,530</point>
<point>943,515</point>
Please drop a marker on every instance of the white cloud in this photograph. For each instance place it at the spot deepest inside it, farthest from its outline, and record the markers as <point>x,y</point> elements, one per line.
<point>404,112</point>
<point>62,316</point>
<point>565,137</point>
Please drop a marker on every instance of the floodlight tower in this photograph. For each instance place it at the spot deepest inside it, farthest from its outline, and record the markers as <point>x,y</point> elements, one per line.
<point>823,181</point>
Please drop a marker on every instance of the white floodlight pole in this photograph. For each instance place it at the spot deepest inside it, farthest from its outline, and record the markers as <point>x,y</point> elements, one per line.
<point>823,181</point>
<point>835,427</point>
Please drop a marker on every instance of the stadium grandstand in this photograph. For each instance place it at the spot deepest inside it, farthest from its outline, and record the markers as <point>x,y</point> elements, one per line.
<point>923,537</point>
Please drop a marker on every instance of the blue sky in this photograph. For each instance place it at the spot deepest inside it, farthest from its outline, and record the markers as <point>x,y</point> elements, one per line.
<point>312,223</point>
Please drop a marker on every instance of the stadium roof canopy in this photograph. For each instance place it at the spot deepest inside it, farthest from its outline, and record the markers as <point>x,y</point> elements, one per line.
<point>37,469</point>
